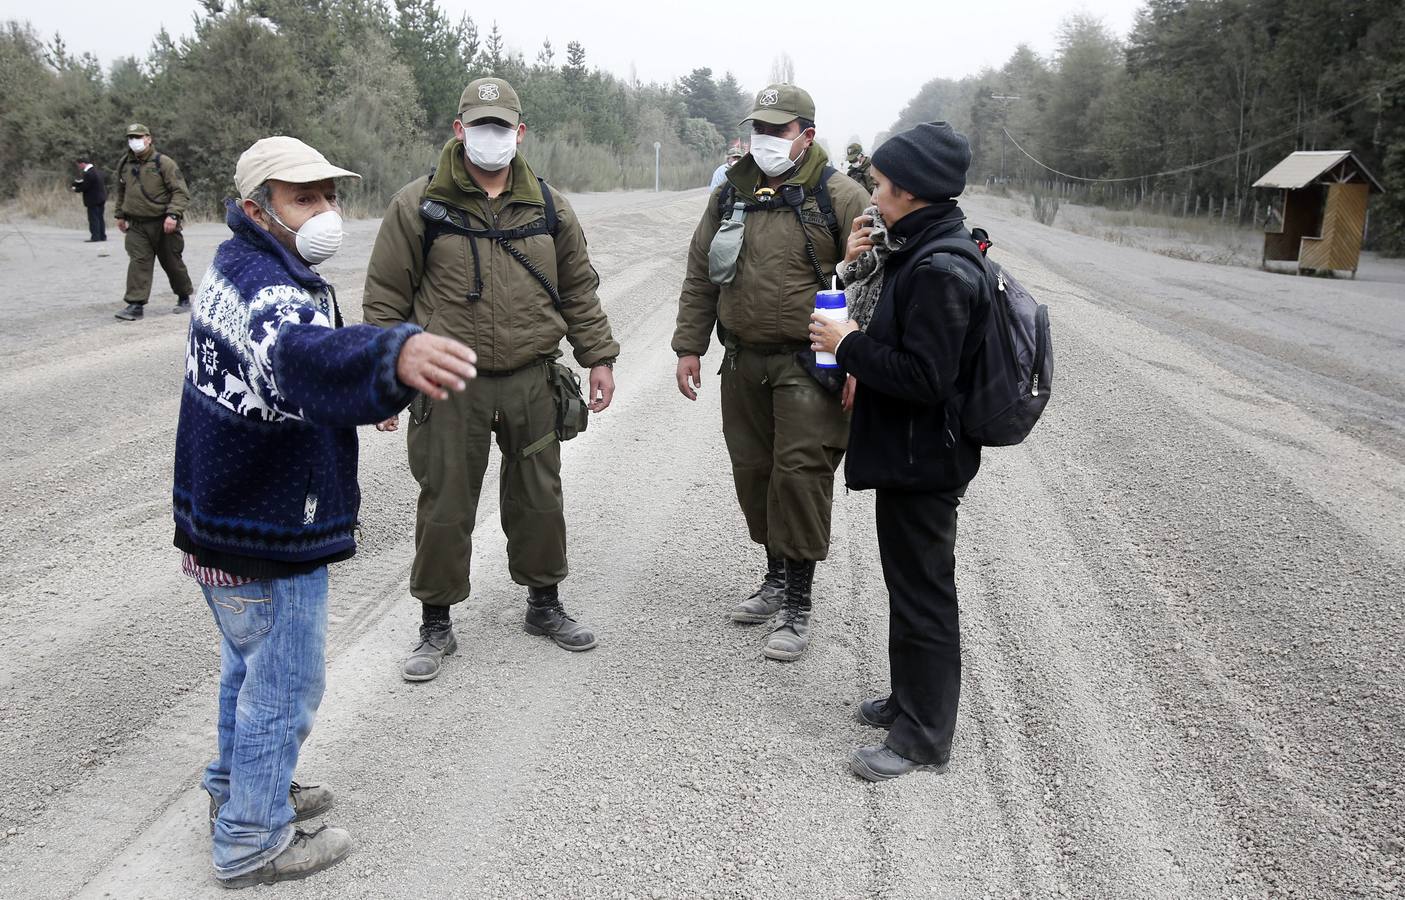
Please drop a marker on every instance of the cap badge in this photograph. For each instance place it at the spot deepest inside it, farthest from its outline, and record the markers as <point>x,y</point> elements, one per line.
<point>487,92</point>
<point>769,98</point>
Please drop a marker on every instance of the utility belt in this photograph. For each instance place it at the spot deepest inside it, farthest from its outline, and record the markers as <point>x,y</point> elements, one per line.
<point>572,413</point>
<point>131,218</point>
<point>506,373</point>
<point>832,380</point>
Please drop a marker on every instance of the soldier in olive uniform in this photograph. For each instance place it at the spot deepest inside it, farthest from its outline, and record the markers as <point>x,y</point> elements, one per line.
<point>859,166</point>
<point>484,251</point>
<point>151,202</point>
<point>785,432</point>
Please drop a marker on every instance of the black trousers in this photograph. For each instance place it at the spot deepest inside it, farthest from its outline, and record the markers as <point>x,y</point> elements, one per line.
<point>97,224</point>
<point>917,545</point>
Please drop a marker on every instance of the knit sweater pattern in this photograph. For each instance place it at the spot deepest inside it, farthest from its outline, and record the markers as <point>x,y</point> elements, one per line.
<point>266,447</point>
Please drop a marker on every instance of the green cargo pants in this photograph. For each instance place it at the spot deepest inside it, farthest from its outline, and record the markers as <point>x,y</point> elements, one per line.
<point>786,436</point>
<point>146,242</point>
<point>449,445</point>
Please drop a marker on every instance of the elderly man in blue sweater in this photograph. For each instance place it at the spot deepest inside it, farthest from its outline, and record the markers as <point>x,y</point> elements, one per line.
<point>265,489</point>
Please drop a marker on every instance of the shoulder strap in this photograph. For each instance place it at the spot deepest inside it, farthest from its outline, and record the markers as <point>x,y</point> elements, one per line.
<point>432,227</point>
<point>821,193</point>
<point>162,175</point>
<point>552,222</point>
<point>724,200</point>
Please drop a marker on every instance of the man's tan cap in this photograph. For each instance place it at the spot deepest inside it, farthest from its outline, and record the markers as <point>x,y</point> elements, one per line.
<point>490,98</point>
<point>282,158</point>
<point>778,104</point>
<point>136,129</point>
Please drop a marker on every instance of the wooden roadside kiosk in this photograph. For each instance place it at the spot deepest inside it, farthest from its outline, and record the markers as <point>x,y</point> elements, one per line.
<point>1324,210</point>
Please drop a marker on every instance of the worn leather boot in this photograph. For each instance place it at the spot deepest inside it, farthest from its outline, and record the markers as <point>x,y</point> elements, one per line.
<point>309,801</point>
<point>880,712</point>
<point>133,312</point>
<point>883,763</point>
<point>791,632</point>
<point>765,602</point>
<point>309,853</point>
<point>425,660</point>
<point>546,616</point>
<point>182,305</point>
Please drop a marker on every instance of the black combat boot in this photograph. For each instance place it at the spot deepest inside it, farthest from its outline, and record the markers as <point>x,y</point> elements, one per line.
<point>791,632</point>
<point>546,616</point>
<point>765,601</point>
<point>880,712</point>
<point>182,305</point>
<point>133,312</point>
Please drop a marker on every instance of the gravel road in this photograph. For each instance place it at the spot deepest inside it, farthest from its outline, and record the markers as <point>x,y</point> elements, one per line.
<point>1182,603</point>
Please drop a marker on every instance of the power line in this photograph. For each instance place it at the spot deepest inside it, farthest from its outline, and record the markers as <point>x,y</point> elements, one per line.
<point>1191,168</point>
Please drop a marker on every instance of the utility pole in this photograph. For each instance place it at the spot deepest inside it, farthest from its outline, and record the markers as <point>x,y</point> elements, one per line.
<point>657,146</point>
<point>1002,130</point>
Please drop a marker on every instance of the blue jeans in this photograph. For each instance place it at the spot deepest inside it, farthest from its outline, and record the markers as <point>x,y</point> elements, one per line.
<point>271,680</point>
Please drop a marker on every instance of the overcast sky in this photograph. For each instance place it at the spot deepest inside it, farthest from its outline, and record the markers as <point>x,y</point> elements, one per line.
<point>861,61</point>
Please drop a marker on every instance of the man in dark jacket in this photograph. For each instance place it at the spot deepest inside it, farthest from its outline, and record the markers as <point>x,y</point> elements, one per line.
<point>92,184</point>
<point>905,437</point>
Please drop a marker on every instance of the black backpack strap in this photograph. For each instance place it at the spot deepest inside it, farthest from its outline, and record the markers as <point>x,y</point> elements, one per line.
<point>725,200</point>
<point>826,205</point>
<point>552,222</point>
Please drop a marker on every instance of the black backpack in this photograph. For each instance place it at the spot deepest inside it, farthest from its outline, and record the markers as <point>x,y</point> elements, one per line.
<point>1012,373</point>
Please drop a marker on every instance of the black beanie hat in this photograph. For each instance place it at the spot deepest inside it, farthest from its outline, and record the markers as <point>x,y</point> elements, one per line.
<point>929,161</point>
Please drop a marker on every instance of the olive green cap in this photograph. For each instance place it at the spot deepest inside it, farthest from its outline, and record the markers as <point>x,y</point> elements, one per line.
<point>490,98</point>
<point>778,104</point>
<point>855,151</point>
<point>136,129</point>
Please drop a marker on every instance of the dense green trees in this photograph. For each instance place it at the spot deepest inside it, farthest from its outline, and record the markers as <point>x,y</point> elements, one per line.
<point>1214,91</point>
<point>375,84</point>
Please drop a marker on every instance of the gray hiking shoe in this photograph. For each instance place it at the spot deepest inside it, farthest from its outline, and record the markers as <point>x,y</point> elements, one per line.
<point>546,616</point>
<point>766,601</point>
<point>309,801</point>
<point>883,763</point>
<point>428,655</point>
<point>788,640</point>
<point>309,853</point>
<point>880,712</point>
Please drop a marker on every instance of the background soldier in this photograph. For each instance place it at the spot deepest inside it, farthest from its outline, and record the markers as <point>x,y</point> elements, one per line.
<point>859,167</point>
<point>505,269</point>
<point>92,184</point>
<point>785,433</point>
<point>151,201</point>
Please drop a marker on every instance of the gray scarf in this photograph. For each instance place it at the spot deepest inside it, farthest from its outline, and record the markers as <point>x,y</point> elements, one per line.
<point>863,278</point>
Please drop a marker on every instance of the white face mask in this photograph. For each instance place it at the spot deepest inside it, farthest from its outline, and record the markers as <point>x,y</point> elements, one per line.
<point>490,147</point>
<point>137,144</point>
<point>319,238</point>
<point>772,154</point>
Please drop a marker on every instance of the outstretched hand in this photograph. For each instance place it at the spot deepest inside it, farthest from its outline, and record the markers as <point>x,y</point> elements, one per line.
<point>434,365</point>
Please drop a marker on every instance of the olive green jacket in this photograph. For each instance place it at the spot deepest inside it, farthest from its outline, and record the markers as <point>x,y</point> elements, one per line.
<point>514,322</point>
<point>770,298</point>
<point>145,191</point>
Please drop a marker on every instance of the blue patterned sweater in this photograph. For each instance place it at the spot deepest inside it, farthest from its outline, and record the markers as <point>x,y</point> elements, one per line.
<point>274,387</point>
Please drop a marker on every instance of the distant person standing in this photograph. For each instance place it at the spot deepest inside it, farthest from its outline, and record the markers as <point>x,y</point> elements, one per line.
<point>151,202</point>
<point>92,184</point>
<point>859,167</point>
<point>719,175</point>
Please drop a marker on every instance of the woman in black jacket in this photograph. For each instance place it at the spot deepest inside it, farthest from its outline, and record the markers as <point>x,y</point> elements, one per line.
<point>908,345</point>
